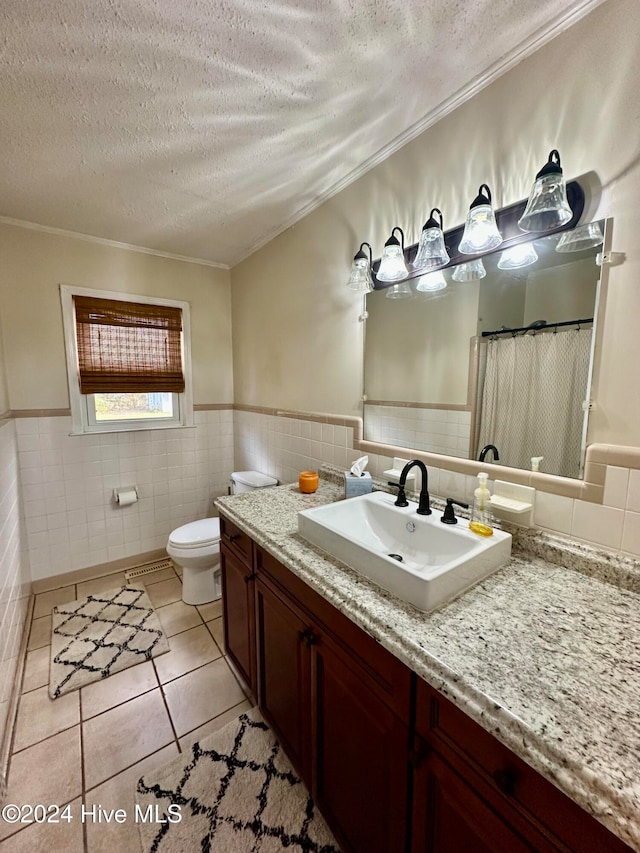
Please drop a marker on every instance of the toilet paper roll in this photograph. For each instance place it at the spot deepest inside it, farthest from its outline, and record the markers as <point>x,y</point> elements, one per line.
<point>125,496</point>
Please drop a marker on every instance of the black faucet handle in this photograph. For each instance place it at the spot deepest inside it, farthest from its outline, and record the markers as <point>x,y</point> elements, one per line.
<point>449,516</point>
<point>401,500</point>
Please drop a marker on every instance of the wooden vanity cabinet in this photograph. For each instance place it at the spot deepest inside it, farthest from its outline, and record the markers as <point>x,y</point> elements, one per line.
<point>470,792</point>
<point>238,596</point>
<point>339,703</point>
<point>392,764</point>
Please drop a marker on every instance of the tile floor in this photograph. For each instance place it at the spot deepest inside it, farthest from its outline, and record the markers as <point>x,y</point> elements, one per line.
<point>89,747</point>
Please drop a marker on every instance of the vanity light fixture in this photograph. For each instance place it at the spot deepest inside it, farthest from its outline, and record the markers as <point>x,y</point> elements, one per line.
<point>392,264</point>
<point>583,237</point>
<point>399,291</point>
<point>547,207</point>
<point>480,231</point>
<point>471,271</point>
<point>431,282</point>
<point>432,252</point>
<point>360,279</point>
<point>522,255</point>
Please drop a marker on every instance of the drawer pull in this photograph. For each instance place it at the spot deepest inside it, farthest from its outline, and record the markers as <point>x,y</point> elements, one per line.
<point>506,780</point>
<point>235,537</point>
<point>249,578</point>
<point>307,637</point>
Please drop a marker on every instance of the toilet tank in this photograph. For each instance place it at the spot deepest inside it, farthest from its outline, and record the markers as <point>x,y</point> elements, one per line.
<point>246,481</point>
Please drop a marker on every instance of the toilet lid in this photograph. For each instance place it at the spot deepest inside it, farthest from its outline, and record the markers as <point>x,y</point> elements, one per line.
<point>196,533</point>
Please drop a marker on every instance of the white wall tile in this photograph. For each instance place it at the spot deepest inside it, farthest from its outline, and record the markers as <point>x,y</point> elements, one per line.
<point>68,483</point>
<point>631,533</point>
<point>633,496</point>
<point>616,486</point>
<point>553,512</point>
<point>599,524</point>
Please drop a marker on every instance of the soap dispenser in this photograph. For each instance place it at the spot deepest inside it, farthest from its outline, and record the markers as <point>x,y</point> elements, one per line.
<point>481,520</point>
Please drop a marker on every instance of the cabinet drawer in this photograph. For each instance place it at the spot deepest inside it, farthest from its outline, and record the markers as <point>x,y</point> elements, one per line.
<point>236,540</point>
<point>466,745</point>
<point>387,675</point>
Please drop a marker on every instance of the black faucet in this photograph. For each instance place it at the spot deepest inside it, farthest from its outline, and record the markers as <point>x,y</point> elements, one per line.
<point>401,500</point>
<point>486,449</point>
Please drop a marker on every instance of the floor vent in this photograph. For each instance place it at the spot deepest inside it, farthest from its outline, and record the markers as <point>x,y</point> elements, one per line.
<point>148,568</point>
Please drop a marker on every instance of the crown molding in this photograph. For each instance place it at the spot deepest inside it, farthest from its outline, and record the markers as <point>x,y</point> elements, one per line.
<point>114,244</point>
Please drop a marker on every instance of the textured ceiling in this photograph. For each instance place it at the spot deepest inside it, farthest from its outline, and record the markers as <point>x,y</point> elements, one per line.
<point>204,128</point>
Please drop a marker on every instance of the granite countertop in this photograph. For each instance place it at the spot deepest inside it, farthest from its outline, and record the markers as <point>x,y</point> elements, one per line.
<point>544,654</point>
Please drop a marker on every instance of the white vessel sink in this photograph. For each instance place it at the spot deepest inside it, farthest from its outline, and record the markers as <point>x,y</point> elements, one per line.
<point>438,561</point>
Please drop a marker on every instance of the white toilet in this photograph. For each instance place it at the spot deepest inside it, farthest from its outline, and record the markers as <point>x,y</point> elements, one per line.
<point>196,546</point>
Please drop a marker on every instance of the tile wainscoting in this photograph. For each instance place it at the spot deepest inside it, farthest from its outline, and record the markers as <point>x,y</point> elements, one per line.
<point>284,443</point>
<point>436,430</point>
<point>15,582</point>
<point>71,521</point>
<point>67,483</point>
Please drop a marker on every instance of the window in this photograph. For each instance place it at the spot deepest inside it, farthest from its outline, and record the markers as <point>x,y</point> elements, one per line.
<point>127,361</point>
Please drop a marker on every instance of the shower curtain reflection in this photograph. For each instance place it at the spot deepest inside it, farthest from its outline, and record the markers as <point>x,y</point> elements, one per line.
<point>532,399</point>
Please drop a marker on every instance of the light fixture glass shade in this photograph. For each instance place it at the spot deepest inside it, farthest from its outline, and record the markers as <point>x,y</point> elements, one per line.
<point>471,271</point>
<point>432,252</point>
<point>399,291</point>
<point>582,237</point>
<point>480,231</point>
<point>392,265</point>
<point>360,279</point>
<point>522,255</point>
<point>547,206</point>
<point>431,282</point>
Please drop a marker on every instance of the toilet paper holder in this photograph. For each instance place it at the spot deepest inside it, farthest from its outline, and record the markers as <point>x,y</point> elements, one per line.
<point>125,495</point>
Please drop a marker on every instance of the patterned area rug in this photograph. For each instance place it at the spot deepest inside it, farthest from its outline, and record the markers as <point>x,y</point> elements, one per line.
<point>237,793</point>
<point>100,634</point>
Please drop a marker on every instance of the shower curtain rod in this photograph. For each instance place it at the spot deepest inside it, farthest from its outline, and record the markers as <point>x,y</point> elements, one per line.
<point>539,325</point>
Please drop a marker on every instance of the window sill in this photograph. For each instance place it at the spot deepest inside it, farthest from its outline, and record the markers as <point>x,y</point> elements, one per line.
<point>102,431</point>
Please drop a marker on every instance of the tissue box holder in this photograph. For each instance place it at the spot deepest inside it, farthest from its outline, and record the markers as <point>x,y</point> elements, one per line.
<point>354,485</point>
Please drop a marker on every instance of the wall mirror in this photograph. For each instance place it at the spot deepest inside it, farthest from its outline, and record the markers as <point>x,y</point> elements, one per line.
<point>504,359</point>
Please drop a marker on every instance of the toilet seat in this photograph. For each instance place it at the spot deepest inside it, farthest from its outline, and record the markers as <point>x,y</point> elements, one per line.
<point>196,534</point>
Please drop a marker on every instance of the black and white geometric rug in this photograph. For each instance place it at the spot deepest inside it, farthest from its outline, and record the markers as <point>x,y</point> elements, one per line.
<point>235,792</point>
<point>100,634</point>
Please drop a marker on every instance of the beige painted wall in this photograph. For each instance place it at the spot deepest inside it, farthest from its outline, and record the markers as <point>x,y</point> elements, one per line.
<point>297,340</point>
<point>4,396</point>
<point>417,350</point>
<point>34,263</point>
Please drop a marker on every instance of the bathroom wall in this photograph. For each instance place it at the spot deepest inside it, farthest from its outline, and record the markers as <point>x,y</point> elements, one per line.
<point>35,263</point>
<point>297,335</point>
<point>15,582</point>
<point>67,481</point>
<point>285,445</point>
<point>297,339</point>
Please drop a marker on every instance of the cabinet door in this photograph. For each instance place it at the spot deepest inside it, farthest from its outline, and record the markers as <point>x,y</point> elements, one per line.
<point>360,760</point>
<point>450,817</point>
<point>283,672</point>
<point>238,607</point>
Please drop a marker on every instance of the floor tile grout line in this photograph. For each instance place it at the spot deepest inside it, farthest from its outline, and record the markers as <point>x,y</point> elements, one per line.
<point>128,767</point>
<point>171,723</point>
<point>82,772</point>
<point>191,671</point>
<point>27,825</point>
<point>195,728</point>
<point>42,740</point>
<point>118,704</point>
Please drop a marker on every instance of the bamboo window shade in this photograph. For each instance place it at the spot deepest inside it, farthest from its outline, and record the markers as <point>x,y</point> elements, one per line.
<point>128,347</point>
